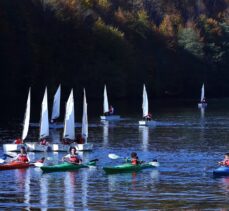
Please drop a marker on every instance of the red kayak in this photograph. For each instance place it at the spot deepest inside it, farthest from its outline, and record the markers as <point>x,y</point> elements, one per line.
<point>14,165</point>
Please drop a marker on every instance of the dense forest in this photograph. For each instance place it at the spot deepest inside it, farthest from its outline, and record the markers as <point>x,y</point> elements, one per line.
<point>171,46</point>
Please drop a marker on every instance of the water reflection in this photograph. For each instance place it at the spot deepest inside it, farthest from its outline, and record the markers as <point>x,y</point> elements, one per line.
<point>44,192</point>
<point>144,131</point>
<point>105,132</point>
<point>202,117</point>
<point>22,178</point>
<point>84,188</point>
<point>69,187</point>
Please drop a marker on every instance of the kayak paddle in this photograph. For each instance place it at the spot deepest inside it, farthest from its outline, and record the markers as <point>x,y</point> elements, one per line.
<point>114,156</point>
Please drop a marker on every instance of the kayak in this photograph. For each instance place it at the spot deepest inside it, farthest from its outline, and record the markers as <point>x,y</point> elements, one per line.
<point>127,167</point>
<point>67,167</point>
<point>221,171</point>
<point>14,165</point>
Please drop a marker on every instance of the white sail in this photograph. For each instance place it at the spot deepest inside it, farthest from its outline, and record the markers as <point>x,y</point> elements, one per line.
<point>44,124</point>
<point>202,94</point>
<point>27,118</point>
<point>69,122</point>
<point>84,119</point>
<point>56,104</point>
<point>145,102</point>
<point>105,101</point>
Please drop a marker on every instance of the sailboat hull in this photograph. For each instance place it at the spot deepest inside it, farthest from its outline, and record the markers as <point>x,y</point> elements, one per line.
<point>110,117</point>
<point>202,105</point>
<point>147,123</point>
<point>65,148</point>
<point>13,147</point>
<point>35,147</point>
<point>60,147</point>
<point>84,147</point>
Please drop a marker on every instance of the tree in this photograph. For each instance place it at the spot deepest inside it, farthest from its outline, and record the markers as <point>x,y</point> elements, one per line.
<point>190,41</point>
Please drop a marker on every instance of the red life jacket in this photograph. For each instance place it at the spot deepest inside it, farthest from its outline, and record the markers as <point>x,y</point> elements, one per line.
<point>226,163</point>
<point>134,161</point>
<point>23,158</point>
<point>43,142</point>
<point>18,141</point>
<point>74,159</point>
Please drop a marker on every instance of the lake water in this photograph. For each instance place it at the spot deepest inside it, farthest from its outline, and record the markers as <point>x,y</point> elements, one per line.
<point>187,142</point>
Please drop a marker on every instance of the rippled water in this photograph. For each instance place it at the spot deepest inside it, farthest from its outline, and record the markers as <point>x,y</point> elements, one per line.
<point>187,142</point>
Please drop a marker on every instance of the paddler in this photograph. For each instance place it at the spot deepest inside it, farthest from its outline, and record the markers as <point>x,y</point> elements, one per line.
<point>22,156</point>
<point>225,161</point>
<point>72,157</point>
<point>134,158</point>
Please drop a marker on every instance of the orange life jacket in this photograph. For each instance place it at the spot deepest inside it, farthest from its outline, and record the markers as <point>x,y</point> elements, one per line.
<point>23,158</point>
<point>74,159</point>
<point>134,161</point>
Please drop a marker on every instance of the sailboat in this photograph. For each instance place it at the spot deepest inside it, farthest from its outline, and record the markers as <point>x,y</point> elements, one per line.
<point>145,109</point>
<point>44,126</point>
<point>107,114</point>
<point>69,125</point>
<point>16,147</point>
<point>84,133</point>
<point>202,103</point>
<point>56,109</point>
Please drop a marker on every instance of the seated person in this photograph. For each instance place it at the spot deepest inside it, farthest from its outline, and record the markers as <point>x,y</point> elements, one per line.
<point>43,141</point>
<point>225,161</point>
<point>148,117</point>
<point>18,141</point>
<point>111,110</point>
<point>22,156</point>
<point>134,159</point>
<point>42,160</point>
<point>203,101</point>
<point>79,139</point>
<point>72,157</point>
<point>66,141</point>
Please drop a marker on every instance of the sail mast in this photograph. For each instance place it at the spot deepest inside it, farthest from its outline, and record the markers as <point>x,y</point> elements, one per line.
<point>202,94</point>
<point>105,101</point>
<point>69,122</point>
<point>84,132</point>
<point>44,124</point>
<point>56,104</point>
<point>26,118</point>
<point>145,102</point>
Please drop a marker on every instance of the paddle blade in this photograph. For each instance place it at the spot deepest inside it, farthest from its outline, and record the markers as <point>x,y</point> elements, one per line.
<point>38,164</point>
<point>154,163</point>
<point>113,156</point>
<point>2,160</point>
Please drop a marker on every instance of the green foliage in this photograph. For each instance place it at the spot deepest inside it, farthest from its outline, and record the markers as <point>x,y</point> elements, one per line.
<point>170,45</point>
<point>189,40</point>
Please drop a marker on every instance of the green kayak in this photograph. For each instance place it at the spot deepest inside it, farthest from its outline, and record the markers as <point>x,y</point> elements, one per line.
<point>67,167</point>
<point>128,167</point>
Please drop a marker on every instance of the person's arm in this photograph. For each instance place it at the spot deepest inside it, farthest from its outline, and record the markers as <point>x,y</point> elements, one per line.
<point>15,158</point>
<point>66,157</point>
<point>28,158</point>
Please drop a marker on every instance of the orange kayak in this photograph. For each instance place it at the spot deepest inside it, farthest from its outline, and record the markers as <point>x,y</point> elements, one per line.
<point>14,165</point>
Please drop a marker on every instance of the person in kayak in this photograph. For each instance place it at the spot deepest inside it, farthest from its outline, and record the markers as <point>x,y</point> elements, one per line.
<point>72,157</point>
<point>18,141</point>
<point>43,141</point>
<point>134,159</point>
<point>22,156</point>
<point>225,161</point>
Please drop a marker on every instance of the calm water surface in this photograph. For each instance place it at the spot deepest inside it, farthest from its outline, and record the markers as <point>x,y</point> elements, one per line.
<point>187,142</point>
